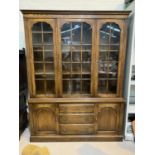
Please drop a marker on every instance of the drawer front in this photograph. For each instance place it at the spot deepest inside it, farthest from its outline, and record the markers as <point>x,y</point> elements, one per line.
<point>73,108</point>
<point>76,118</point>
<point>77,129</point>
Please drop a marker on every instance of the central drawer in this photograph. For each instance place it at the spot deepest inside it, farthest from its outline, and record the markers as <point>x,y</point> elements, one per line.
<point>77,118</point>
<point>76,108</point>
<point>77,129</point>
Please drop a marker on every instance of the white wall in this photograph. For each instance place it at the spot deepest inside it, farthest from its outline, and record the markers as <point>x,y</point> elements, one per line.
<point>64,5</point>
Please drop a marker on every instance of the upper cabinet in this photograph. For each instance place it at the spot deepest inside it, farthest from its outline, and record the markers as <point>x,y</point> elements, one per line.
<point>74,56</point>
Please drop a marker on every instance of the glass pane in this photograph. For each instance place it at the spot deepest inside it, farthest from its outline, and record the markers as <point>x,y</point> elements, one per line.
<point>102,86</point>
<point>66,67</point>
<point>113,56</point>
<point>66,34</point>
<point>44,76</point>
<point>46,27</point>
<point>86,86</point>
<point>76,86</point>
<point>86,67</point>
<point>86,56</point>
<point>37,27</point>
<point>86,47</point>
<point>85,76</point>
<point>76,33</point>
<point>105,34</point>
<point>38,67</point>
<point>38,56</point>
<point>37,48</point>
<point>86,35</point>
<point>67,86</point>
<point>76,67</point>
<point>47,38</point>
<point>37,38</point>
<point>103,56</point>
<point>112,86</point>
<point>48,47</point>
<point>76,76</point>
<point>48,56</point>
<point>49,67</point>
<point>50,86</point>
<point>40,87</point>
<point>76,56</point>
<point>75,48</point>
<point>115,33</point>
<point>66,56</point>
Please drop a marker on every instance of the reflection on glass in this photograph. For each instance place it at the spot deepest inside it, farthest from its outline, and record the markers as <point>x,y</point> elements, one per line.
<point>76,56</point>
<point>108,58</point>
<point>42,38</point>
<point>66,57</point>
<point>87,31</point>
<point>76,40</point>
<point>76,32</point>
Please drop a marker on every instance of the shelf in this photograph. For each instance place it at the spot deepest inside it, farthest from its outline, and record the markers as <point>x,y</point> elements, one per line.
<point>71,73</point>
<point>44,73</point>
<point>42,32</point>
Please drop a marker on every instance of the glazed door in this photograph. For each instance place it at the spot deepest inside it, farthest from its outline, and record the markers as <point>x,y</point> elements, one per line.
<point>76,55</point>
<point>109,57</point>
<point>41,54</point>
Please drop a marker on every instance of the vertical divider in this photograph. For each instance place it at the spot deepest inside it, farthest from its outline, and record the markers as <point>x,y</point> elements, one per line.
<point>44,71</point>
<point>57,60</point>
<point>71,81</point>
<point>81,57</point>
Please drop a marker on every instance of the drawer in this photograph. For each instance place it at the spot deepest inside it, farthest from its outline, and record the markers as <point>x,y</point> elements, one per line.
<point>77,129</point>
<point>76,118</point>
<point>79,108</point>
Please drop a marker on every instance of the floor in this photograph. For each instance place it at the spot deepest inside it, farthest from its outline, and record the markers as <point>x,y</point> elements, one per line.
<point>82,148</point>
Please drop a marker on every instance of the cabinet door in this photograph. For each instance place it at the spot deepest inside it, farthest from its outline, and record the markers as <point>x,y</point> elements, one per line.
<point>43,118</point>
<point>76,54</point>
<point>41,57</point>
<point>110,57</point>
<point>109,117</point>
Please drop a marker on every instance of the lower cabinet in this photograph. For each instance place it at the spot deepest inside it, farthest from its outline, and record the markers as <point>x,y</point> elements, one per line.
<point>97,121</point>
<point>110,117</point>
<point>42,119</point>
